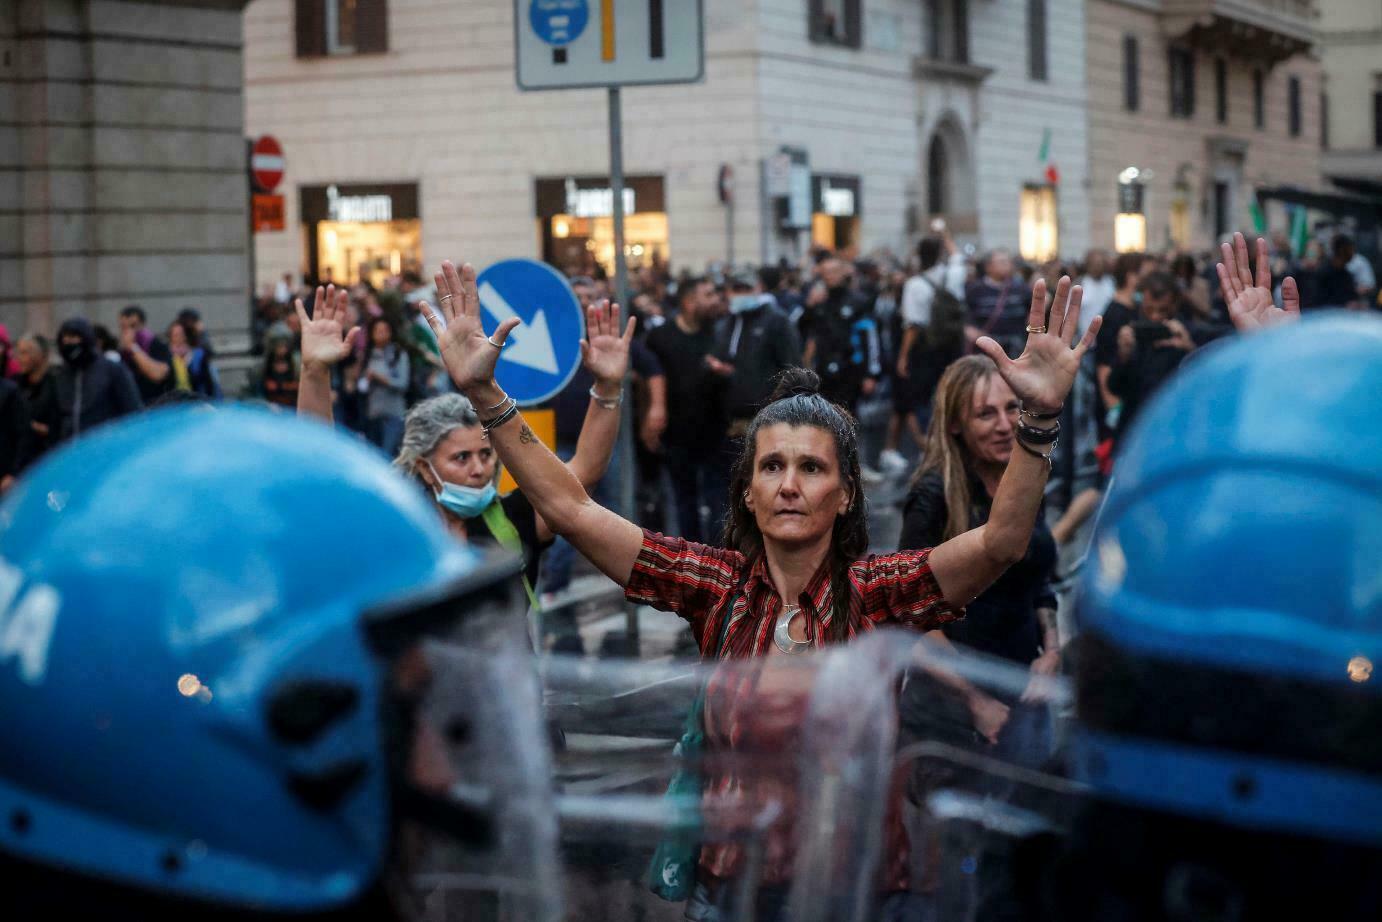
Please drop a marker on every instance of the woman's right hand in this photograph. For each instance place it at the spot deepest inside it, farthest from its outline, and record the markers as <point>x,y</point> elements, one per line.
<point>1249,300</point>
<point>323,344</point>
<point>469,355</point>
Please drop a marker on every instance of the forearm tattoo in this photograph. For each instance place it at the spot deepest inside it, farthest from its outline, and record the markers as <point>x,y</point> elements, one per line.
<point>526,435</point>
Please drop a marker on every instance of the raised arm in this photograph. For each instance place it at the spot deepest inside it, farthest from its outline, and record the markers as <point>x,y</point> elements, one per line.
<point>323,345</point>
<point>606,355</point>
<point>1041,377</point>
<point>1250,304</point>
<point>607,540</point>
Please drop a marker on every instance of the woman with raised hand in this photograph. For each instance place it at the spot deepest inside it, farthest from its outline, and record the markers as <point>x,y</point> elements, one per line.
<point>794,574</point>
<point>444,446</point>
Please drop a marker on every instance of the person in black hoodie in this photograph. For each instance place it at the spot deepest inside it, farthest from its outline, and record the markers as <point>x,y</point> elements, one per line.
<point>91,390</point>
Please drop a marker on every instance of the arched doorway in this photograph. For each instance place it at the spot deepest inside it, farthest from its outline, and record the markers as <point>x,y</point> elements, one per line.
<point>950,177</point>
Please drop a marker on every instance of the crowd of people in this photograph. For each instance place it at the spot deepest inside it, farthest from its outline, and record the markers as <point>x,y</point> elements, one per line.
<point>748,389</point>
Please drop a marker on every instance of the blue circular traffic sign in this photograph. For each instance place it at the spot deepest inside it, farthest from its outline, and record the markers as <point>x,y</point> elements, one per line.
<point>544,350</point>
<point>559,22</point>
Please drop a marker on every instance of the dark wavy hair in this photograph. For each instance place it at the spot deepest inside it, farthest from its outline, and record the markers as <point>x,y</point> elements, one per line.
<point>796,401</point>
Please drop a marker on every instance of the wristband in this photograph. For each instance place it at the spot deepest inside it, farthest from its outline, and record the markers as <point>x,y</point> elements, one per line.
<point>1034,436</point>
<point>1030,414</point>
<point>1036,454</point>
<point>608,403</point>
<point>500,420</point>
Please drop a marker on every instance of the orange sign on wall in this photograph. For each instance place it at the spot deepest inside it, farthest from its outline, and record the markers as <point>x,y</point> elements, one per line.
<point>268,213</point>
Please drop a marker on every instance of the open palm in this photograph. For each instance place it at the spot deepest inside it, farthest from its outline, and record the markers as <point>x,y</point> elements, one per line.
<point>1043,374</point>
<point>1250,304</point>
<point>469,355</point>
<point>324,341</point>
<point>605,351</point>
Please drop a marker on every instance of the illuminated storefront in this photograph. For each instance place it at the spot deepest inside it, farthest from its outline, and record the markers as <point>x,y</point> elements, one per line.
<point>1130,225</point>
<point>354,232</point>
<point>1038,224</point>
<point>835,212</point>
<point>576,227</point>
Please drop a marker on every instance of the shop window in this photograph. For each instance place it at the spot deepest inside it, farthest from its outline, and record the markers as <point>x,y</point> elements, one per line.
<point>1130,224</point>
<point>1221,90</point>
<point>1038,232</point>
<point>1132,89</point>
<point>1223,209</point>
<point>361,233</point>
<point>1182,66</point>
<point>836,22</point>
<point>947,30</point>
<point>340,27</point>
<point>1293,100</point>
<point>1036,39</point>
<point>575,223</point>
<point>1180,223</point>
<point>1259,98</point>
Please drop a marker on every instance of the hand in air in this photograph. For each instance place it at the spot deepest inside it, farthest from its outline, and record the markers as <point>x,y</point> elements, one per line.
<point>1249,300</point>
<point>1043,374</point>
<point>323,341</point>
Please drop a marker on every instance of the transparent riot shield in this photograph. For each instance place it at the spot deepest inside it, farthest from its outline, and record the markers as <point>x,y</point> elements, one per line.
<point>780,811</point>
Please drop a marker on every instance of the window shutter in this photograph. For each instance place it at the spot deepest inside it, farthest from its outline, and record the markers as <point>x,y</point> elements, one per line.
<point>309,20</point>
<point>1036,39</point>
<point>815,18</point>
<point>1293,90</point>
<point>371,26</point>
<point>962,31</point>
<point>854,23</point>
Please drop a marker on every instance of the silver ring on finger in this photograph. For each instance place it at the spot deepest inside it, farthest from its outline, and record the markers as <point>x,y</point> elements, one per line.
<point>1032,329</point>
<point>490,340</point>
<point>445,298</point>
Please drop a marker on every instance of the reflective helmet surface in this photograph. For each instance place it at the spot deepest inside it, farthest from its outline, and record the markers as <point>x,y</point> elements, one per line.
<point>1233,609</point>
<point>190,703</point>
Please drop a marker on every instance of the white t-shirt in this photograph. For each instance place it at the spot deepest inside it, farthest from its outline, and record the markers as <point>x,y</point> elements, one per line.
<point>918,296</point>
<point>1098,295</point>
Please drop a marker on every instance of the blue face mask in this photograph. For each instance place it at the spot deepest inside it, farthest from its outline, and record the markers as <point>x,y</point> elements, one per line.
<point>741,303</point>
<point>466,502</point>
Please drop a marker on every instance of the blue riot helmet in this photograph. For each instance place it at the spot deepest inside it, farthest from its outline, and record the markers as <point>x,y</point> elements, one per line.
<point>1229,718</point>
<point>203,620</point>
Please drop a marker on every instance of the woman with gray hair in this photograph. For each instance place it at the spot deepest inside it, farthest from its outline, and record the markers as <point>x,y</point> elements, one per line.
<point>448,451</point>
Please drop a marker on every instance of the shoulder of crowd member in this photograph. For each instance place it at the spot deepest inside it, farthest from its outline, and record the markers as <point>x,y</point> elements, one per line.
<point>924,513</point>
<point>644,361</point>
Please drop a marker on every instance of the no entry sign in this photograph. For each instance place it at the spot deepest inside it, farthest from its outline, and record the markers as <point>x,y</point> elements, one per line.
<point>267,163</point>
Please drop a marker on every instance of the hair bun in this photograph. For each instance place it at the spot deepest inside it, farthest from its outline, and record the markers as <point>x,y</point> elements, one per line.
<point>795,382</point>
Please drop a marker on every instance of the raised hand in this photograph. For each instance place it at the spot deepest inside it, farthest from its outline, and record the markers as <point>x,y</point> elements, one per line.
<point>323,343</point>
<point>1043,374</point>
<point>1250,305</point>
<point>604,351</point>
<point>469,355</point>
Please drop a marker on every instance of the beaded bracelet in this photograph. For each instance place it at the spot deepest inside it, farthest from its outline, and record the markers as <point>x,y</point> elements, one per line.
<point>1026,433</point>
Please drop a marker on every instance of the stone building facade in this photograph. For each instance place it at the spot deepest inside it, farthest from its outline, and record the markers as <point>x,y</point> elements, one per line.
<point>122,161</point>
<point>1195,106</point>
<point>846,95</point>
<point>1351,54</point>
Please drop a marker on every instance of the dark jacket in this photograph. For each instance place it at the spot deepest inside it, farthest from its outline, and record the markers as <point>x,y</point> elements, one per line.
<point>94,392</point>
<point>846,336</point>
<point>15,435</point>
<point>1002,621</point>
<point>43,408</point>
<point>759,344</point>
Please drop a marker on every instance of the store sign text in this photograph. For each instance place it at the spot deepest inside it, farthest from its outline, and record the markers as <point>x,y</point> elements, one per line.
<point>838,203</point>
<point>595,203</point>
<point>357,209</point>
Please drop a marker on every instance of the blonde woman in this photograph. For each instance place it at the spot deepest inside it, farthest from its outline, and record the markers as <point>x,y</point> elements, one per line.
<point>970,441</point>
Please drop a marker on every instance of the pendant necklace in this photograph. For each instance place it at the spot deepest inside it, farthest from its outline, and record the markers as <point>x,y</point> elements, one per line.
<point>782,636</point>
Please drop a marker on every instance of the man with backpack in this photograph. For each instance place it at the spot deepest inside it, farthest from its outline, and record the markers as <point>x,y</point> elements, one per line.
<point>933,319</point>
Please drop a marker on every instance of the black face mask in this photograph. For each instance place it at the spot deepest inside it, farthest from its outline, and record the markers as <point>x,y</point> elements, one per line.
<point>75,354</point>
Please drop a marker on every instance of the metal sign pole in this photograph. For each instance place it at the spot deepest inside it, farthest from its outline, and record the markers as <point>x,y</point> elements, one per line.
<point>621,292</point>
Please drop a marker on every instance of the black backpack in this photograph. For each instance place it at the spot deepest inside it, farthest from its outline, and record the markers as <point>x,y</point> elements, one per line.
<point>946,332</point>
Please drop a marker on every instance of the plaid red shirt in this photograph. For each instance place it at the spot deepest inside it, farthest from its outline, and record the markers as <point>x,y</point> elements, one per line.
<point>697,582</point>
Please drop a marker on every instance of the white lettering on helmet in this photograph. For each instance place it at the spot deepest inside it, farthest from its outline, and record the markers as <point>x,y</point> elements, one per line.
<point>26,625</point>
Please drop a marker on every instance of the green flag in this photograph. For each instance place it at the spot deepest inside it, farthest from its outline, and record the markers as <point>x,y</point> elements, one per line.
<point>1259,220</point>
<point>1300,230</point>
<point>1044,153</point>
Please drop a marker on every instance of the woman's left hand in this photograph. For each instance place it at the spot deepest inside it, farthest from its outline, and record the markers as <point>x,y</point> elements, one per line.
<point>469,355</point>
<point>1043,374</point>
<point>604,350</point>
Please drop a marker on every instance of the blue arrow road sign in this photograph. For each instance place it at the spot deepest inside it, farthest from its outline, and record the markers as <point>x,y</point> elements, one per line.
<point>559,22</point>
<point>543,351</point>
